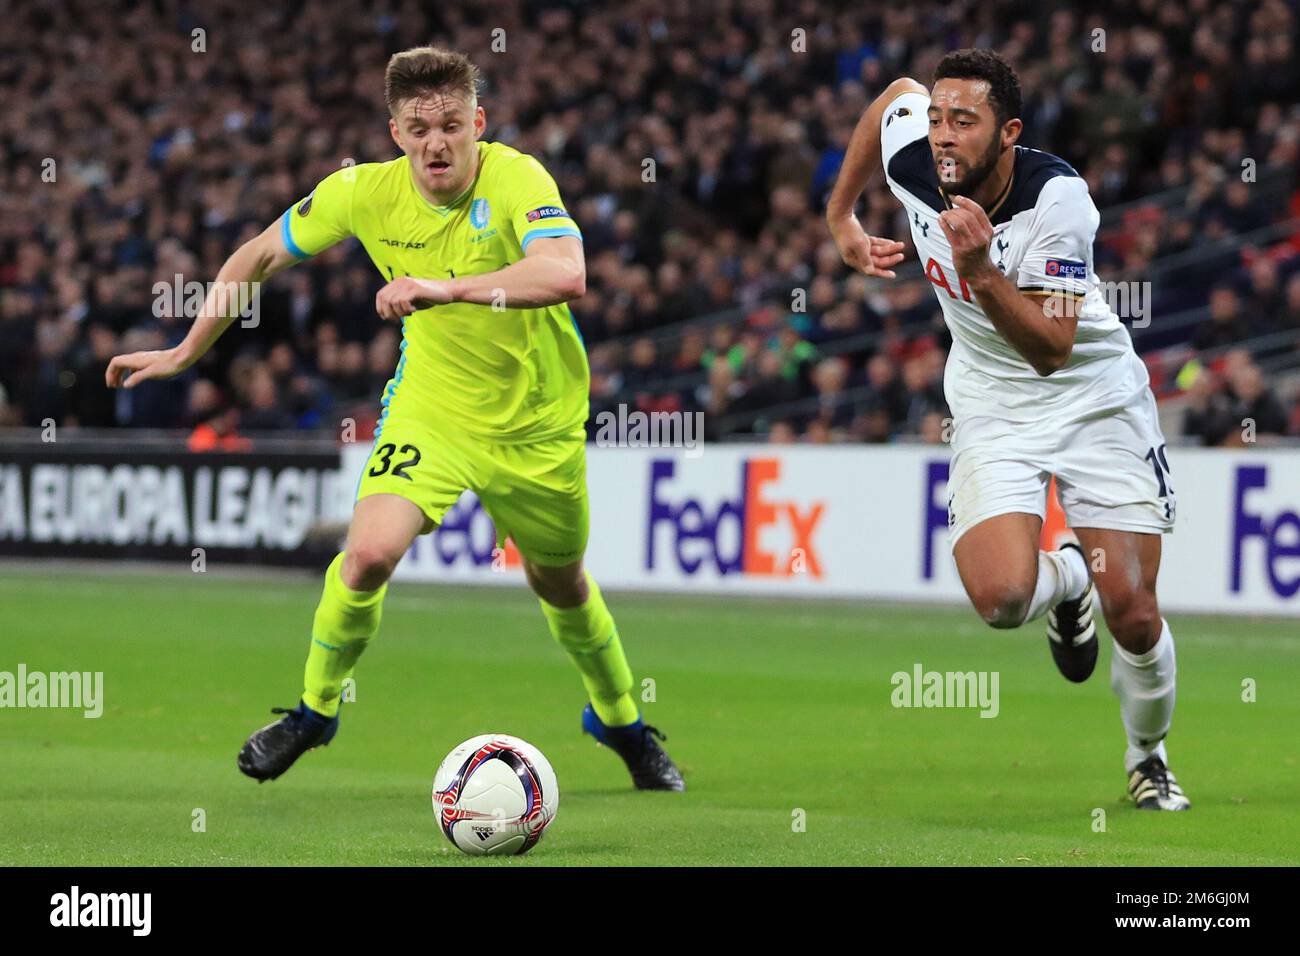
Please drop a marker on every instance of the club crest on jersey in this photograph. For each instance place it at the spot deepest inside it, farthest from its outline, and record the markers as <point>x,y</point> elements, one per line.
<point>546,212</point>
<point>1066,268</point>
<point>479,213</point>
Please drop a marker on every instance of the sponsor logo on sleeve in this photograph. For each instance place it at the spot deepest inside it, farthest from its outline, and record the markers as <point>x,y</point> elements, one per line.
<point>898,114</point>
<point>547,212</point>
<point>1066,269</point>
<point>306,204</point>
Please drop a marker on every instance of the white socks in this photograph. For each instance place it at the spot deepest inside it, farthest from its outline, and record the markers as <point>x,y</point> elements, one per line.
<point>1144,684</point>
<point>1061,575</point>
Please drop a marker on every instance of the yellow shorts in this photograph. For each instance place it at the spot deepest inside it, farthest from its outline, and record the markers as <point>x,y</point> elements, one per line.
<point>535,494</point>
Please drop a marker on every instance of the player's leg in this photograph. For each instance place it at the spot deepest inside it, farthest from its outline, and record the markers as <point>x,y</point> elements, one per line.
<point>1143,671</point>
<point>408,483</point>
<point>996,506</point>
<point>346,620</point>
<point>351,604</point>
<point>1116,490</point>
<point>997,560</point>
<point>581,623</point>
<point>538,498</point>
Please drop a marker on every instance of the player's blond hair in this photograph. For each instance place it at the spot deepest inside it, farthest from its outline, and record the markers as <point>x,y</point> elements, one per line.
<point>429,69</point>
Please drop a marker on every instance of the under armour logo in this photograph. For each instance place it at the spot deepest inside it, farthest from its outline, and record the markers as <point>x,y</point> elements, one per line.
<point>924,226</point>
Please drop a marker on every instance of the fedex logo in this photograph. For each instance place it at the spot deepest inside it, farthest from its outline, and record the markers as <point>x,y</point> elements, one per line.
<point>730,533</point>
<point>937,514</point>
<point>1280,536</point>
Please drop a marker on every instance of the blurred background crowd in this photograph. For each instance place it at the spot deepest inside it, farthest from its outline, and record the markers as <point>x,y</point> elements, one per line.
<point>138,150</point>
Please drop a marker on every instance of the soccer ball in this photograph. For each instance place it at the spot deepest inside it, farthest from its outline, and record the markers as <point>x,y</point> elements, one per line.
<point>495,794</point>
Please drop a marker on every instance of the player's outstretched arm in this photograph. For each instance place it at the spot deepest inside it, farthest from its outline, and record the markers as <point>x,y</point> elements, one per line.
<point>552,271</point>
<point>867,254</point>
<point>235,286</point>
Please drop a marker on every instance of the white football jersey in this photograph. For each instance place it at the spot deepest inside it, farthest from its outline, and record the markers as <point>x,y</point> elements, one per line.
<point>1043,232</point>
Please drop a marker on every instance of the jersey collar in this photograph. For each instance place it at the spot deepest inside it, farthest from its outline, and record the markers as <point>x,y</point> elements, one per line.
<point>446,210</point>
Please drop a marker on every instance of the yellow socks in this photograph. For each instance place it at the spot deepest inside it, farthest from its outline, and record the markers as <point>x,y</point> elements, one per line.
<point>587,633</point>
<point>345,622</point>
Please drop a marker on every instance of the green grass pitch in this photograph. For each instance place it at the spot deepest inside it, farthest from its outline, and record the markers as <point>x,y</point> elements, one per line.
<point>771,707</point>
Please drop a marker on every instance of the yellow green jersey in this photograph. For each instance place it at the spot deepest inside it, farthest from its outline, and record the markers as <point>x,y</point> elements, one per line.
<point>505,375</point>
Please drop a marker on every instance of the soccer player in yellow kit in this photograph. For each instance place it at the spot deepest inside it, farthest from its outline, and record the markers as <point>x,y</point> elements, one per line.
<point>490,393</point>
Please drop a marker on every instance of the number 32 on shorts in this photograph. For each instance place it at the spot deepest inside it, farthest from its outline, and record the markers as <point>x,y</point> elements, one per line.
<point>409,457</point>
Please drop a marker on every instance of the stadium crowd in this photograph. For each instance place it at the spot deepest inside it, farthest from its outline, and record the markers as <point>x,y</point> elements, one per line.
<point>695,145</point>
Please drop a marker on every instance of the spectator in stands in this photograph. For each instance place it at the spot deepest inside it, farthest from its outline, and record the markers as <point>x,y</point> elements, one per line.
<point>1288,319</point>
<point>219,433</point>
<point>1264,295</point>
<point>188,155</point>
<point>886,395</point>
<point>717,399</point>
<point>690,353</point>
<point>90,405</point>
<point>771,386</point>
<point>829,379</point>
<point>1254,407</point>
<point>872,424</point>
<point>1226,325</point>
<point>642,373</point>
<point>934,428</point>
<point>923,394</point>
<point>782,432</point>
<point>1207,418</point>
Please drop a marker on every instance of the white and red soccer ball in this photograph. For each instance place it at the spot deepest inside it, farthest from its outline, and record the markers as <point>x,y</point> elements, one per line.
<point>495,794</point>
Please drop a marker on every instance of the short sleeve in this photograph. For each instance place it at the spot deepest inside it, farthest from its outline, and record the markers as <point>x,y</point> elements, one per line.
<point>534,205</point>
<point>905,121</point>
<point>323,218</point>
<point>1058,249</point>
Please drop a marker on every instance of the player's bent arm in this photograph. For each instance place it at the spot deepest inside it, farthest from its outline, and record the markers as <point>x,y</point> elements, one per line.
<point>862,158</point>
<point>552,271</point>
<point>1039,325</point>
<point>867,254</point>
<point>232,291</point>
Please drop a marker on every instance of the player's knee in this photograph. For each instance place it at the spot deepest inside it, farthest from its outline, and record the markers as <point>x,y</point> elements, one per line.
<point>1133,617</point>
<point>558,587</point>
<point>367,565</point>
<point>1001,606</point>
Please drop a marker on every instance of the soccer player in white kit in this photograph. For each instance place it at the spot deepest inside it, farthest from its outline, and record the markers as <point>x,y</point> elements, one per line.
<point>1042,380</point>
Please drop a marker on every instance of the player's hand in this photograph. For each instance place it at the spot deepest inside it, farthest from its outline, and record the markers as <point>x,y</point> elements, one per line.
<point>866,254</point>
<point>407,295</point>
<point>128,371</point>
<point>969,233</point>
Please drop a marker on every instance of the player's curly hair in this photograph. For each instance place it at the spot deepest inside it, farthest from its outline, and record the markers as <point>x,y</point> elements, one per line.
<point>987,65</point>
<point>425,69</point>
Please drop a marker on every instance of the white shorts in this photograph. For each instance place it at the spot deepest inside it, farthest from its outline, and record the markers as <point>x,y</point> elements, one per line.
<point>1111,468</point>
